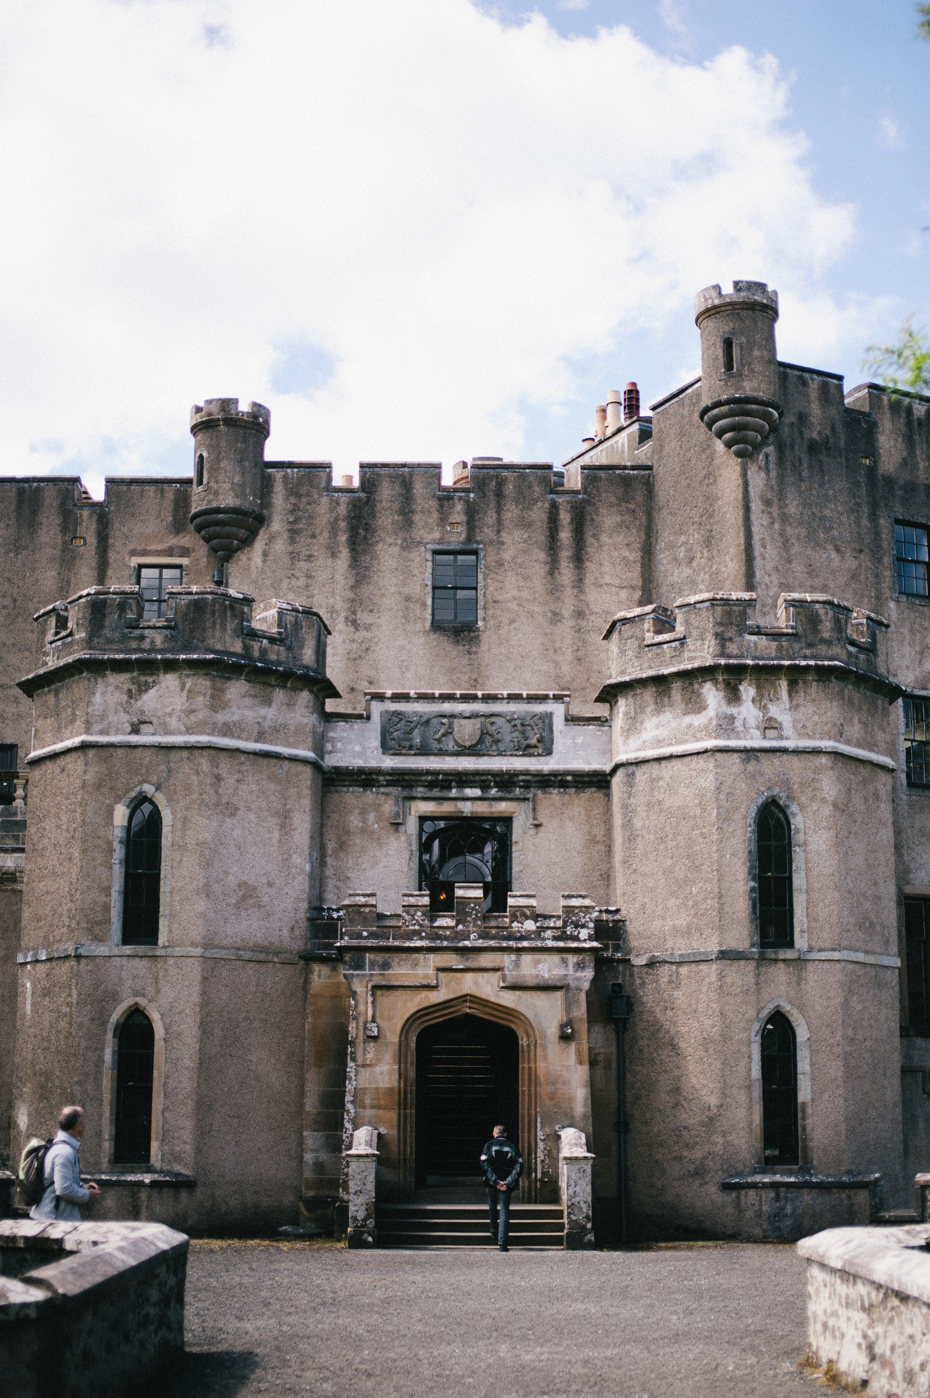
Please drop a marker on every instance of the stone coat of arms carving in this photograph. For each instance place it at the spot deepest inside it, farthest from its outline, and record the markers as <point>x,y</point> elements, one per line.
<point>522,733</point>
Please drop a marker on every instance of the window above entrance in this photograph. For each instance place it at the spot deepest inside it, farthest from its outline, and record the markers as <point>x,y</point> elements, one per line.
<point>465,851</point>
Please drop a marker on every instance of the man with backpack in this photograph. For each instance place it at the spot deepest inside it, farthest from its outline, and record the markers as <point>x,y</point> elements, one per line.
<point>503,1166</point>
<point>60,1177</point>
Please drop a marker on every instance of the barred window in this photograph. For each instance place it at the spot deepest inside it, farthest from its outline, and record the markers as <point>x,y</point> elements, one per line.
<point>917,954</point>
<point>780,1091</point>
<point>143,877</point>
<point>776,894</point>
<point>135,1064</point>
<point>455,588</point>
<point>917,741</point>
<point>154,582</point>
<point>911,557</point>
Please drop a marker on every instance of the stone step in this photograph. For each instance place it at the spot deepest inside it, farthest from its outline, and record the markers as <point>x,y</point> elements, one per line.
<point>389,1238</point>
<point>479,1227</point>
<point>467,1210</point>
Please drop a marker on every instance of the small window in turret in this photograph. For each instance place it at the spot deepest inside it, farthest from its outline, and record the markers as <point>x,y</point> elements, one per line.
<point>729,355</point>
<point>199,470</point>
<point>911,559</point>
<point>154,582</point>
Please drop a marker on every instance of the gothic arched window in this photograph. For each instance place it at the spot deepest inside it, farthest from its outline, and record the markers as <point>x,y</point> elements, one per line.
<point>779,1091</point>
<point>135,1067</point>
<point>143,876</point>
<point>775,892</point>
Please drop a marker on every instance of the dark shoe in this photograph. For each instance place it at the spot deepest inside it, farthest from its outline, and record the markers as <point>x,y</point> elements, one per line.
<point>504,1247</point>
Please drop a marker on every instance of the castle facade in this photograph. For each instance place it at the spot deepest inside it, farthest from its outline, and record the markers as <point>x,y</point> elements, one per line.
<point>406,805</point>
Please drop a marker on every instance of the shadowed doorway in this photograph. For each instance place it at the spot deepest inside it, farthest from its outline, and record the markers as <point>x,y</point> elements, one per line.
<point>467,1082</point>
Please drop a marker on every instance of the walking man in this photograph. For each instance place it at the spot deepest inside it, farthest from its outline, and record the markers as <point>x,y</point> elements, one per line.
<point>62,1176</point>
<point>503,1165</point>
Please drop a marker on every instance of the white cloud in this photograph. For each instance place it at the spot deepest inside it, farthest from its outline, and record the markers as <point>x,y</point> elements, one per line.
<point>888,133</point>
<point>431,211</point>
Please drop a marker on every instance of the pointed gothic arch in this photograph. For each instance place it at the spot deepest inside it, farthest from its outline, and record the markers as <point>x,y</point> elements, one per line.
<point>527,1087</point>
<point>111,1076</point>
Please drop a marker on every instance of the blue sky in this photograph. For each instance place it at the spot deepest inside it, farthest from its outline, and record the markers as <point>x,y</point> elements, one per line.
<point>432,229</point>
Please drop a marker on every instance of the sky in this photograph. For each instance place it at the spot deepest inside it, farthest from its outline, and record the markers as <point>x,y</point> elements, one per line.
<point>433,229</point>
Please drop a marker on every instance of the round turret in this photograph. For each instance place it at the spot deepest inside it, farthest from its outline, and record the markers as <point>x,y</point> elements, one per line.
<point>229,467</point>
<point>739,367</point>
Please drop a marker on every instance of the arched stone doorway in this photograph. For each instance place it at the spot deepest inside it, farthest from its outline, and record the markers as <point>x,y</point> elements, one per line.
<point>517,1074</point>
<point>467,1080</point>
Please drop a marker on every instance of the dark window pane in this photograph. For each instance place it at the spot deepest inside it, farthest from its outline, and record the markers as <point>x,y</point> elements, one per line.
<point>135,1062</point>
<point>154,583</point>
<point>918,961</point>
<point>911,558</point>
<point>455,588</point>
<point>779,1092</point>
<point>775,893</point>
<point>143,876</point>
<point>465,851</point>
<point>916,739</point>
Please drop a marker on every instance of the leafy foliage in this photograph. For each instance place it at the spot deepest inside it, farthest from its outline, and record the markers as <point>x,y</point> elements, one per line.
<point>904,366</point>
<point>923,24</point>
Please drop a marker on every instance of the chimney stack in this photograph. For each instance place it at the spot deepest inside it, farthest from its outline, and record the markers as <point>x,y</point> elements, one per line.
<point>600,422</point>
<point>631,403</point>
<point>614,419</point>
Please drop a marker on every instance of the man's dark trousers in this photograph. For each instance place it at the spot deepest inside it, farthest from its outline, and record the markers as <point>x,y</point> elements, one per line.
<point>499,1210</point>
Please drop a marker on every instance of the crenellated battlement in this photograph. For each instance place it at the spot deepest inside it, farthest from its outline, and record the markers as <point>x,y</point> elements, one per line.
<point>720,629</point>
<point>106,625</point>
<point>212,411</point>
<point>578,922</point>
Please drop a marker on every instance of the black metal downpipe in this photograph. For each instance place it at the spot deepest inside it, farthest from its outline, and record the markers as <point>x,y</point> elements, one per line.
<point>621,1008</point>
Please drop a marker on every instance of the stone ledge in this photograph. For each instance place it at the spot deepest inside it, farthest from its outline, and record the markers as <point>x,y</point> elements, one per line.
<point>154,1179</point>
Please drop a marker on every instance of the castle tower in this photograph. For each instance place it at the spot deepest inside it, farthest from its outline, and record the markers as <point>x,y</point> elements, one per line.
<point>744,757</point>
<point>175,790</point>
<point>229,449</point>
<point>739,370</point>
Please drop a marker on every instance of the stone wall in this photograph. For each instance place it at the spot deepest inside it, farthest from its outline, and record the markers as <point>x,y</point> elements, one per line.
<point>868,1307</point>
<point>88,1310</point>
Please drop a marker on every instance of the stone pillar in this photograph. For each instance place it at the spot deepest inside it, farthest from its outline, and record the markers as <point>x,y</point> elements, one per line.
<point>922,1185</point>
<point>362,1163</point>
<point>575,1162</point>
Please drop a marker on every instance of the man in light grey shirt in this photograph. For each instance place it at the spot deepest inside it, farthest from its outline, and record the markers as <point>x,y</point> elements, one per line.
<point>62,1177</point>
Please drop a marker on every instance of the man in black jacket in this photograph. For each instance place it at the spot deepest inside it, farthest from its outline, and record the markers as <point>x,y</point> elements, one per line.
<point>502,1165</point>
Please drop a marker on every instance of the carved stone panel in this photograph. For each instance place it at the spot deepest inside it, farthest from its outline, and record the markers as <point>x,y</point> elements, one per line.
<point>524,734</point>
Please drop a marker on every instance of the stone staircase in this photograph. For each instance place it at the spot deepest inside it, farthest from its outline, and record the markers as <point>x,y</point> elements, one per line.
<point>466,1226</point>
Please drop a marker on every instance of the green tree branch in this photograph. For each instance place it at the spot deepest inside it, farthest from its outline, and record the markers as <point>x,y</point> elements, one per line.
<point>906,365</point>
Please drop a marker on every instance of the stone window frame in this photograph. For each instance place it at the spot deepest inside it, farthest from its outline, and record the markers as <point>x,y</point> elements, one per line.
<point>138,560</point>
<point>109,1084</point>
<point>416,808</point>
<point>450,547</point>
<point>121,814</point>
<point>798,865</point>
<point>803,1066</point>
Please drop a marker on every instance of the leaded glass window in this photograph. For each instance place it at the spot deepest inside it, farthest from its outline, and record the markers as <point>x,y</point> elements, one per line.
<point>154,582</point>
<point>911,557</point>
<point>135,1066</point>
<point>455,589</point>
<point>143,876</point>
<point>779,1091</point>
<point>917,741</point>
<point>465,851</point>
<point>917,951</point>
<point>774,883</point>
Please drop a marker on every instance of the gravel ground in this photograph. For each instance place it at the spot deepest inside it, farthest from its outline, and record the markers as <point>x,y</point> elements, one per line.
<point>705,1321</point>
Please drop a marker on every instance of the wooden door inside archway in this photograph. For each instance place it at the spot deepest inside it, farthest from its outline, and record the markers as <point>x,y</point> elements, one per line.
<point>467,1082</point>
